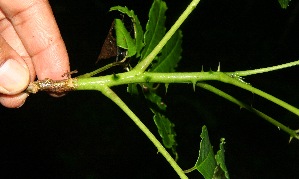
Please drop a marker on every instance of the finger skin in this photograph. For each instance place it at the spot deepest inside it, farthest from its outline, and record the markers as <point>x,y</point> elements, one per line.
<point>9,57</point>
<point>8,33</point>
<point>34,22</point>
<point>41,46</point>
<point>13,101</point>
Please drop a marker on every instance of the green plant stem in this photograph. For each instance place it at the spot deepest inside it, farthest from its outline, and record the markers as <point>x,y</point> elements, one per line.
<point>97,71</point>
<point>263,70</point>
<point>142,66</point>
<point>265,95</point>
<point>190,77</point>
<point>208,87</point>
<point>110,94</point>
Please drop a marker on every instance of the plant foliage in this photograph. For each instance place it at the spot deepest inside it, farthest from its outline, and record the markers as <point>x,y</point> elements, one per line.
<point>209,164</point>
<point>155,27</point>
<point>159,54</point>
<point>123,36</point>
<point>284,3</point>
<point>124,39</point>
<point>165,62</point>
<point>170,56</point>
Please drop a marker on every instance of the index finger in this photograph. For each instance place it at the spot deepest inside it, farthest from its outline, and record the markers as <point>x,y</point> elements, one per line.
<point>35,24</point>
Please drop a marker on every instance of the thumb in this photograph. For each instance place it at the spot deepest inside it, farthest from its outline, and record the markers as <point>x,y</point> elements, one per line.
<point>14,74</point>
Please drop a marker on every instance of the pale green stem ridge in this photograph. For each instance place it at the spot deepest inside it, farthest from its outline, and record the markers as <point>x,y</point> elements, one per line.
<point>263,70</point>
<point>208,87</point>
<point>142,66</point>
<point>110,94</point>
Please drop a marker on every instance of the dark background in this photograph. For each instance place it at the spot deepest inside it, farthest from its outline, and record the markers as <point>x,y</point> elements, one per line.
<point>84,135</point>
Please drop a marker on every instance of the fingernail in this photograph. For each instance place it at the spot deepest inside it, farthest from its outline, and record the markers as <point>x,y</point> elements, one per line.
<point>14,77</point>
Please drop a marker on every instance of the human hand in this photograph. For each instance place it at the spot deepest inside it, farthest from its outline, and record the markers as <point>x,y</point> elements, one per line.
<point>30,46</point>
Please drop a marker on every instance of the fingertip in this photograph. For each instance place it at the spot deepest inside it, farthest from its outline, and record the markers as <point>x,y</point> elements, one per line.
<point>53,62</point>
<point>14,77</point>
<point>13,101</point>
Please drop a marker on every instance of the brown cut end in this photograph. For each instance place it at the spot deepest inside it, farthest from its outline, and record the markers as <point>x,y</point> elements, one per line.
<point>52,86</point>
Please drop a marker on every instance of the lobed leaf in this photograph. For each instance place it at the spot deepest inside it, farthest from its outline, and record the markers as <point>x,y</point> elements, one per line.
<point>206,162</point>
<point>138,32</point>
<point>155,27</point>
<point>165,129</point>
<point>221,170</point>
<point>209,165</point>
<point>124,39</point>
<point>171,55</point>
<point>150,94</point>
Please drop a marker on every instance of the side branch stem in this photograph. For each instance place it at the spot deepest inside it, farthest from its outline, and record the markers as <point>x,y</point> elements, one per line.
<point>264,70</point>
<point>208,87</point>
<point>110,94</point>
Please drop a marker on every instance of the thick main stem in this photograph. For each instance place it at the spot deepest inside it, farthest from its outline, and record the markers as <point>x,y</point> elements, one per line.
<point>192,77</point>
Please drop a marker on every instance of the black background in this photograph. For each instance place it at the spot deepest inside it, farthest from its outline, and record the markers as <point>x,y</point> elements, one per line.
<point>84,135</point>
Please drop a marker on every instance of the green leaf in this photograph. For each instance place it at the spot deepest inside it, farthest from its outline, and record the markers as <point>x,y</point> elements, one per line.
<point>124,39</point>
<point>155,27</point>
<point>284,3</point>
<point>171,55</point>
<point>206,162</point>
<point>138,32</point>
<point>166,130</point>
<point>150,94</point>
<point>132,89</point>
<point>221,170</point>
<point>209,165</point>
